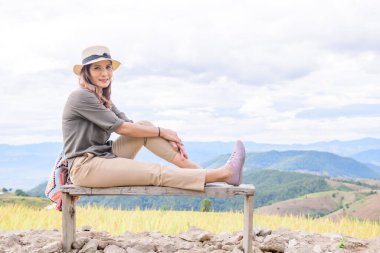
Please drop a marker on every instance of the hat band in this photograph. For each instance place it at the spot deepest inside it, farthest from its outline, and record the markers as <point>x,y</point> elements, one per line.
<point>94,57</point>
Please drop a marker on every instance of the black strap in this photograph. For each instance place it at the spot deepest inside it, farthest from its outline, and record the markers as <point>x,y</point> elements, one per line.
<point>94,57</point>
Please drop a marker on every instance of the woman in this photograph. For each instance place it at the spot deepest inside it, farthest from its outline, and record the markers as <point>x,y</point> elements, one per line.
<point>90,117</point>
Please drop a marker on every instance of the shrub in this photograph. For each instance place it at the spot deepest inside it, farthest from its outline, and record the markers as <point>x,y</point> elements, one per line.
<point>20,192</point>
<point>206,205</point>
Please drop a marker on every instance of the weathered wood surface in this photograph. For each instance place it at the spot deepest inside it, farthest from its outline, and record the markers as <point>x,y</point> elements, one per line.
<point>211,190</point>
<point>248,223</point>
<point>68,221</point>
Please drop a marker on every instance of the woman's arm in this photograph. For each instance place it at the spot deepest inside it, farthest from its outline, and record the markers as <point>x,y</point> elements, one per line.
<point>120,114</point>
<point>137,130</point>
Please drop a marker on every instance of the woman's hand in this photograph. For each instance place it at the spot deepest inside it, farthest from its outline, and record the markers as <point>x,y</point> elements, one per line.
<point>181,149</point>
<point>175,141</point>
<point>170,135</point>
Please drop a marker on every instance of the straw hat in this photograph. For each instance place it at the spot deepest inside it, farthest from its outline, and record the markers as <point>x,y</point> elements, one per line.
<point>95,54</point>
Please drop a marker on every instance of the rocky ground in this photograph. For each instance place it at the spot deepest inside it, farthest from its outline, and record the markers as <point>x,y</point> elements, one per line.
<point>194,240</point>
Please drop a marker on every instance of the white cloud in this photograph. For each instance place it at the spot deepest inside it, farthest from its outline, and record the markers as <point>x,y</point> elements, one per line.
<point>213,70</point>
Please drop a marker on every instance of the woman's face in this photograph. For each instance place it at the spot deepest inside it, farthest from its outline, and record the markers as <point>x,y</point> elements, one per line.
<point>101,73</point>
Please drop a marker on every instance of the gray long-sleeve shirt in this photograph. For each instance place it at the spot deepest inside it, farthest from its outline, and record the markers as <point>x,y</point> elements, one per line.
<point>87,125</point>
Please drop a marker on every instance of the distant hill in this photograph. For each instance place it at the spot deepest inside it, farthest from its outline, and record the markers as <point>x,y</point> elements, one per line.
<point>315,162</point>
<point>38,191</point>
<point>273,186</point>
<point>369,156</point>
<point>363,208</point>
<point>353,198</point>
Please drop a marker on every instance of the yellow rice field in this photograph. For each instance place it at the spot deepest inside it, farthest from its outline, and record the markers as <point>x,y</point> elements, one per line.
<point>19,217</point>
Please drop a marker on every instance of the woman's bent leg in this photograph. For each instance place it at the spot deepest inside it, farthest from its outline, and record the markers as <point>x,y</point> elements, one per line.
<point>92,171</point>
<point>128,147</point>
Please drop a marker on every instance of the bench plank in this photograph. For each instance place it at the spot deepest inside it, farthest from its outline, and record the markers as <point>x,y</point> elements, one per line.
<point>211,190</point>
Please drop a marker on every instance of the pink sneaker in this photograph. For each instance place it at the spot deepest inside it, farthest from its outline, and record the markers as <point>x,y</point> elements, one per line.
<point>236,161</point>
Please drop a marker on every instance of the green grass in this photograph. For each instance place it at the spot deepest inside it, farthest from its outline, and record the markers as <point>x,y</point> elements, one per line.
<point>317,194</point>
<point>11,199</point>
<point>117,222</point>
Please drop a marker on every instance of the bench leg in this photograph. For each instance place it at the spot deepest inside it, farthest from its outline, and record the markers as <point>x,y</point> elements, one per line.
<point>68,221</point>
<point>248,220</point>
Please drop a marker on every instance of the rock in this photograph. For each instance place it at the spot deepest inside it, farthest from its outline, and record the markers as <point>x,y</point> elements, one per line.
<point>333,236</point>
<point>18,249</point>
<point>292,243</point>
<point>114,249</point>
<point>51,247</point>
<point>90,247</point>
<point>132,250</point>
<point>274,243</point>
<point>259,239</point>
<point>211,248</point>
<point>374,243</point>
<point>86,228</point>
<point>256,250</point>
<point>12,241</point>
<point>184,245</point>
<point>354,244</point>
<point>144,245</point>
<point>196,234</point>
<point>221,237</point>
<point>283,240</point>
<point>78,244</point>
<point>155,235</point>
<point>228,248</point>
<point>167,247</point>
<point>259,231</point>
<point>236,250</point>
<point>234,240</point>
<point>129,234</point>
<point>317,249</point>
<point>104,242</point>
<point>300,249</point>
<point>193,251</point>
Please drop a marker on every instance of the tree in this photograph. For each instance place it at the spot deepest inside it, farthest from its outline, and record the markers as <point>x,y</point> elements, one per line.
<point>206,205</point>
<point>20,192</point>
<point>4,190</point>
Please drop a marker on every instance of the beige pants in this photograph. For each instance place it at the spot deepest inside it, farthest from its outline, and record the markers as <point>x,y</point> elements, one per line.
<point>92,171</point>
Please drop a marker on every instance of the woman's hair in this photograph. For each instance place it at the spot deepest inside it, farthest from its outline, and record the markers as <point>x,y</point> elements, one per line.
<point>103,94</point>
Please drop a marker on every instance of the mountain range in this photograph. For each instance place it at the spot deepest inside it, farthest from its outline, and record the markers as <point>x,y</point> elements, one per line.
<point>313,162</point>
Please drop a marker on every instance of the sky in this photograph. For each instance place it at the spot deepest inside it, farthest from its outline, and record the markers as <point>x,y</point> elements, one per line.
<point>264,71</point>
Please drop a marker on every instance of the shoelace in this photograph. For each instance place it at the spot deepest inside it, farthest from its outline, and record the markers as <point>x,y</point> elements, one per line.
<point>231,157</point>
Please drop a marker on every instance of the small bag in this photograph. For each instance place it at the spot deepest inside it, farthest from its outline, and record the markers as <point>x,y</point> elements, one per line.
<point>59,176</point>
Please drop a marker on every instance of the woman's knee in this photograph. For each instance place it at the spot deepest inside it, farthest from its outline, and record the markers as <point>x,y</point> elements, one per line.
<point>145,123</point>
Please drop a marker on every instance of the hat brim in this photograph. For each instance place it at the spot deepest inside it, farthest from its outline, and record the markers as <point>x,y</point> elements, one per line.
<point>78,67</point>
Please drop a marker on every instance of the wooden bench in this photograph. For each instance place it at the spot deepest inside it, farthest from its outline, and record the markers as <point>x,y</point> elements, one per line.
<point>211,190</point>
